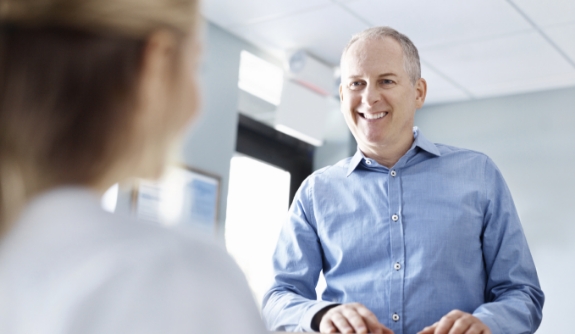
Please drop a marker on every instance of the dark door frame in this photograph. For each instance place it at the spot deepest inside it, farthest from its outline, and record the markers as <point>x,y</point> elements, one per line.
<point>265,143</point>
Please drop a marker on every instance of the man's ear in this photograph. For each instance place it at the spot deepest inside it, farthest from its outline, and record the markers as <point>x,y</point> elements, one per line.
<point>340,93</point>
<point>421,92</point>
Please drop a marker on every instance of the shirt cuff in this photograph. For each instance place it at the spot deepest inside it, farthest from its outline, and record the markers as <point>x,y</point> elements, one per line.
<point>489,321</point>
<point>305,322</point>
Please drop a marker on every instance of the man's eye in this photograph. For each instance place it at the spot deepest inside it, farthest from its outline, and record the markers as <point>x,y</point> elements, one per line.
<point>387,82</point>
<point>355,84</point>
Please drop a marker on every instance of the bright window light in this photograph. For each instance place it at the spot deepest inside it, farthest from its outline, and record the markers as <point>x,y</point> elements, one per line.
<point>260,78</point>
<point>110,199</point>
<point>299,135</point>
<point>257,206</point>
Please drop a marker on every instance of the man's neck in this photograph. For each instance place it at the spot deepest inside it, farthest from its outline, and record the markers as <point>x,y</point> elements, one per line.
<point>388,155</point>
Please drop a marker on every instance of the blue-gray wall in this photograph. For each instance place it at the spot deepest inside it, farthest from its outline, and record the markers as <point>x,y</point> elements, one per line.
<point>531,138</point>
<point>211,141</point>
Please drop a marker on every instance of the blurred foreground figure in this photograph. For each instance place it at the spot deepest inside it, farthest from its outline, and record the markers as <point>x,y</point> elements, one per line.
<point>93,92</point>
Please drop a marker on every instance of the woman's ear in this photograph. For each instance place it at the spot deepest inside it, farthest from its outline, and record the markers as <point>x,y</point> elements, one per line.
<point>161,46</point>
<point>153,99</point>
<point>157,69</point>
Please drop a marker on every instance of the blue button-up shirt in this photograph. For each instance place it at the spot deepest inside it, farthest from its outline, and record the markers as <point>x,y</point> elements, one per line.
<point>436,232</point>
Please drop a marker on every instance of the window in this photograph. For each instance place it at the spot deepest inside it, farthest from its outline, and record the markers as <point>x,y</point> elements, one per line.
<point>260,78</point>
<point>258,199</point>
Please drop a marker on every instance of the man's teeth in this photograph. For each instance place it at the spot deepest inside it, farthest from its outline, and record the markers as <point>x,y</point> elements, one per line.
<point>374,116</point>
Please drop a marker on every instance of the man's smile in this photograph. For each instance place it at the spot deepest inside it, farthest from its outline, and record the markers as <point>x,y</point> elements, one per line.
<point>373,116</point>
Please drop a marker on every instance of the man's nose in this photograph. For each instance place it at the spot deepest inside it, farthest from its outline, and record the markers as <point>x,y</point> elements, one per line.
<point>370,95</point>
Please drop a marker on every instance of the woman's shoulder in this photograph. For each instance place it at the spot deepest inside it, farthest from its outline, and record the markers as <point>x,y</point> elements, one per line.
<point>68,225</point>
<point>103,267</point>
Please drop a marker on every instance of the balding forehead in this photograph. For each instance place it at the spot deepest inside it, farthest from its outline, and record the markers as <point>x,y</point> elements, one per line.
<point>408,50</point>
<point>358,51</point>
<point>355,52</point>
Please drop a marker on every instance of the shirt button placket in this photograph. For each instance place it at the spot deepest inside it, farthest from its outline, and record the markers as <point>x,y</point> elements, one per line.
<point>397,251</point>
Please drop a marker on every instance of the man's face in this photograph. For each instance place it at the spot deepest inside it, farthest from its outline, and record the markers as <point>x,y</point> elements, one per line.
<point>378,99</point>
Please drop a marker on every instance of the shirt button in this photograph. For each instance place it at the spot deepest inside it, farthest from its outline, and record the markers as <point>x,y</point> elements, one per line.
<point>393,173</point>
<point>397,266</point>
<point>395,218</point>
<point>395,317</point>
<point>367,161</point>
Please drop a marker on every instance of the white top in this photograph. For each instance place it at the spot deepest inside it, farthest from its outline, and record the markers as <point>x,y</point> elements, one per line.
<point>67,266</point>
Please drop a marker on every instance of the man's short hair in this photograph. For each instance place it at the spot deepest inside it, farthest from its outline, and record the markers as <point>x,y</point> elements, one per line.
<point>410,54</point>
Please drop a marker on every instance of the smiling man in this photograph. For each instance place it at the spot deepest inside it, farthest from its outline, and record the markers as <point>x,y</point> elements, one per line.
<point>411,236</point>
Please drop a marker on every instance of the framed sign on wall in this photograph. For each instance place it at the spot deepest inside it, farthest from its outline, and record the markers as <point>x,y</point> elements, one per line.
<point>182,197</point>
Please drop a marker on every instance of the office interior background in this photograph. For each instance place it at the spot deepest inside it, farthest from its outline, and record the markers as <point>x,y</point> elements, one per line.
<point>501,80</point>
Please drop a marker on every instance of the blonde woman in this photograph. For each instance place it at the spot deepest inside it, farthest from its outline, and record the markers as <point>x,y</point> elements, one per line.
<point>93,92</point>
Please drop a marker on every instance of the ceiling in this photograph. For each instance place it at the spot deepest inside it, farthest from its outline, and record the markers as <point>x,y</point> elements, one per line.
<point>469,49</point>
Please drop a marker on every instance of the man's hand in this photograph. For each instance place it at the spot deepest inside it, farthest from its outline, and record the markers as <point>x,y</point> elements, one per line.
<point>351,318</point>
<point>457,322</point>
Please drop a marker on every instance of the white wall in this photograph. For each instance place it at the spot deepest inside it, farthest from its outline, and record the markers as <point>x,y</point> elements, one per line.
<point>531,138</point>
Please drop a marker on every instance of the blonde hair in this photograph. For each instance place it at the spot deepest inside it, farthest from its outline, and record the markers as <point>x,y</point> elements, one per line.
<point>68,76</point>
<point>135,18</point>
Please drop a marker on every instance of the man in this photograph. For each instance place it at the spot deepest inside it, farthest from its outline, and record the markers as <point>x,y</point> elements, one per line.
<point>411,236</point>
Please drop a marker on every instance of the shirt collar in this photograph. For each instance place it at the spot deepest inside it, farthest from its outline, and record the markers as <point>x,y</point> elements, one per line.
<point>419,141</point>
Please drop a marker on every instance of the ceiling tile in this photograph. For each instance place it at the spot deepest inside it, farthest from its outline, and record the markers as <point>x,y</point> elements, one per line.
<point>564,37</point>
<point>548,12</point>
<point>430,23</point>
<point>323,32</point>
<point>440,90</point>
<point>233,12</point>
<point>504,65</point>
<point>485,46</point>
